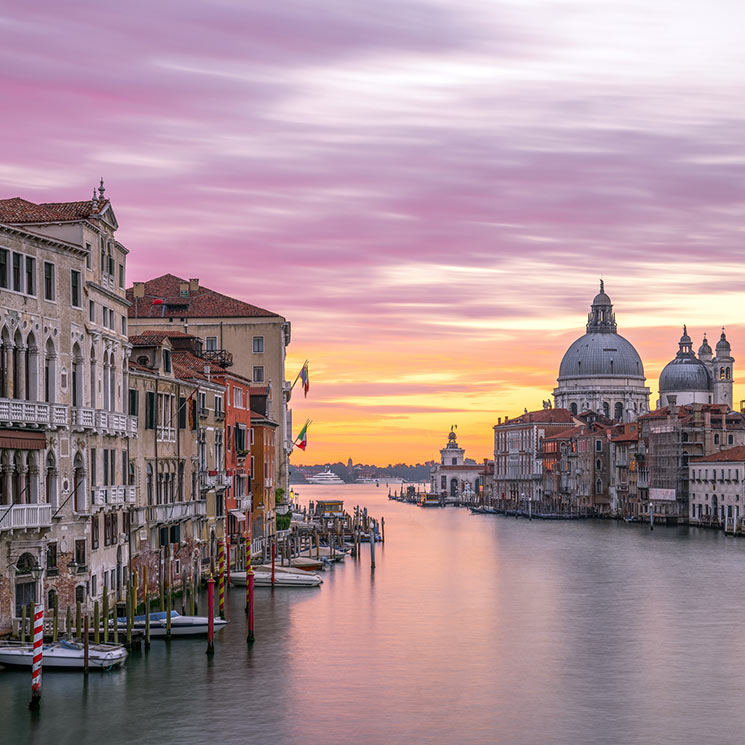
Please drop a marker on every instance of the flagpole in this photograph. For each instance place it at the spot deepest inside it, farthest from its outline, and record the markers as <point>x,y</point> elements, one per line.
<point>297,377</point>
<point>308,422</point>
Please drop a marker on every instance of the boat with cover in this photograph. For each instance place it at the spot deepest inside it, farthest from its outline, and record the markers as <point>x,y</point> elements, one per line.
<point>180,625</point>
<point>63,655</point>
<point>283,577</point>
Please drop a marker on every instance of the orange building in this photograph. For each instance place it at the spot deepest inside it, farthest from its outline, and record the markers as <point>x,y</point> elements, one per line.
<point>262,463</point>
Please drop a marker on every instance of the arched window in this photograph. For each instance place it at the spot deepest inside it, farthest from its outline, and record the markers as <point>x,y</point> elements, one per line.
<point>598,465</point>
<point>599,486</point>
<point>573,409</point>
<point>149,483</point>
<point>93,376</point>
<point>5,351</point>
<point>78,485</point>
<point>131,473</point>
<point>606,409</point>
<point>77,376</point>
<point>716,439</point>
<point>726,373</point>
<point>685,436</point>
<point>19,365</point>
<point>31,383</point>
<point>51,598</point>
<point>730,440</point>
<point>618,413</point>
<point>50,372</point>
<point>80,594</point>
<point>50,480</point>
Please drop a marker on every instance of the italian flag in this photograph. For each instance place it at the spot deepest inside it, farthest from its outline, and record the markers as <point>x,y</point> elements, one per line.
<point>304,379</point>
<point>302,439</point>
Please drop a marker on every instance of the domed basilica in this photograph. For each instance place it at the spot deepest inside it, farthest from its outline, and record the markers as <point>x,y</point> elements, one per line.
<point>705,379</point>
<point>601,371</point>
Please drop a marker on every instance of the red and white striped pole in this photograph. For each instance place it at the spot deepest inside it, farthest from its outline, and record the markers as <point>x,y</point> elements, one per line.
<point>36,665</point>
<point>221,576</point>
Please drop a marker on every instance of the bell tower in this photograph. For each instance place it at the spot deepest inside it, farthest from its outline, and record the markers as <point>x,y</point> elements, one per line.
<point>722,367</point>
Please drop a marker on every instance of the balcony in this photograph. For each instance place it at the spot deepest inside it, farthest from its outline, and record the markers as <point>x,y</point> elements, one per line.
<point>83,418</point>
<point>166,434</point>
<point>176,511</point>
<point>25,516</point>
<point>222,357</point>
<point>244,504</point>
<point>37,414</point>
<point>138,517</point>
<point>112,495</point>
<point>268,483</point>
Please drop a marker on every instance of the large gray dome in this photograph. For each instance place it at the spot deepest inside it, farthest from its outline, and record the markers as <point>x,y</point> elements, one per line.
<point>601,355</point>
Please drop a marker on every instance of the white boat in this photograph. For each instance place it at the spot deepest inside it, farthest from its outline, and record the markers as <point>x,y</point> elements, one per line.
<point>180,625</point>
<point>283,577</point>
<point>327,477</point>
<point>63,655</point>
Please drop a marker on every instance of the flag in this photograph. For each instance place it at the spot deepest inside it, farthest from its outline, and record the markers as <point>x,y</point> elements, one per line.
<point>302,438</point>
<point>304,379</point>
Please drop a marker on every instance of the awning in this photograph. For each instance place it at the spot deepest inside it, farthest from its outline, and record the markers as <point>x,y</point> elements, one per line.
<point>22,440</point>
<point>239,516</point>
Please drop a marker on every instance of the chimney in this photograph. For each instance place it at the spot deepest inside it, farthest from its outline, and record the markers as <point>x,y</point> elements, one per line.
<point>672,402</point>
<point>138,289</point>
<point>193,284</point>
<point>707,419</point>
<point>183,289</point>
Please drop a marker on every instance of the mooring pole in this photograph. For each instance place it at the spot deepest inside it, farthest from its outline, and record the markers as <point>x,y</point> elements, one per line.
<point>211,616</point>
<point>38,626</point>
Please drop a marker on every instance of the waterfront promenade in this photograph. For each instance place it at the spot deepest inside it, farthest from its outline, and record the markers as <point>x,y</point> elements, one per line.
<point>472,629</point>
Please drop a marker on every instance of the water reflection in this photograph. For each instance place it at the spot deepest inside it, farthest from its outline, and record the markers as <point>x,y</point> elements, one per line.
<point>471,629</point>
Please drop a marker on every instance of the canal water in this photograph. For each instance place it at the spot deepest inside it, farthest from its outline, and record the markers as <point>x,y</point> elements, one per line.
<point>472,629</point>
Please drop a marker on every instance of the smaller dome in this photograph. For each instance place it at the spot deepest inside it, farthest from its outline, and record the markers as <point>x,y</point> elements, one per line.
<point>685,374</point>
<point>704,348</point>
<point>723,347</point>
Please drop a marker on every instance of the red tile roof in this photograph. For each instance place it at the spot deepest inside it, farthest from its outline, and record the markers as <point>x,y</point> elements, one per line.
<point>155,336</point>
<point>564,434</point>
<point>187,365</point>
<point>200,303</point>
<point>17,210</point>
<point>731,455</point>
<point>547,416</point>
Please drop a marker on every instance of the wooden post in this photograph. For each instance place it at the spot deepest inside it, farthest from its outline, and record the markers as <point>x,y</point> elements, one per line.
<point>105,615</point>
<point>227,564</point>
<point>68,623</point>
<point>169,597</point>
<point>382,530</point>
<point>96,624</point>
<point>274,554</point>
<point>192,591</point>
<point>86,643</point>
<point>211,616</point>
<point>147,609</point>
<point>134,595</point>
<point>129,615</point>
<point>115,614</point>
<point>372,544</point>
<point>78,620</point>
<point>23,625</point>
<point>250,638</point>
<point>221,576</point>
<point>38,642</point>
<point>184,591</point>
<point>55,626</point>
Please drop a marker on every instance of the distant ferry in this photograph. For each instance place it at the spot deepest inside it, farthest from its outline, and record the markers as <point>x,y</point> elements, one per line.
<point>326,477</point>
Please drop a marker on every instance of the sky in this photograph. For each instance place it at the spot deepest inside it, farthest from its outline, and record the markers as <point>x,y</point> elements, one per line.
<point>428,190</point>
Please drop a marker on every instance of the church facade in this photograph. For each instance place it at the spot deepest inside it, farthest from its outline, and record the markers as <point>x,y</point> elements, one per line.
<point>601,371</point>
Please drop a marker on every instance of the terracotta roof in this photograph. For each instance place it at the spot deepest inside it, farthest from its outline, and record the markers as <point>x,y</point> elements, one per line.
<point>137,366</point>
<point>563,434</point>
<point>17,210</point>
<point>547,416</point>
<point>155,336</point>
<point>187,365</point>
<point>200,303</point>
<point>731,455</point>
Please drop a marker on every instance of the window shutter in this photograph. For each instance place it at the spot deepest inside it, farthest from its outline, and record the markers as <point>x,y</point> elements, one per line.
<point>150,410</point>
<point>181,412</point>
<point>194,417</point>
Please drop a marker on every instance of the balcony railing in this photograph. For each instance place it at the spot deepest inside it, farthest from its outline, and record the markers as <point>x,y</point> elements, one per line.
<point>176,511</point>
<point>23,516</point>
<point>101,495</point>
<point>167,434</point>
<point>83,418</point>
<point>222,357</point>
<point>36,414</point>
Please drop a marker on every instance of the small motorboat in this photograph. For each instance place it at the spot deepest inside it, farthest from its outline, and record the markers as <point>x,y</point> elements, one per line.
<point>283,577</point>
<point>64,655</point>
<point>180,625</point>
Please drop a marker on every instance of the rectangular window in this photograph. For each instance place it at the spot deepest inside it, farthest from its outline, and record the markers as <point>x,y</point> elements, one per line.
<point>258,374</point>
<point>124,325</point>
<point>211,343</point>
<point>17,273</point>
<point>91,311</point>
<point>218,406</point>
<point>49,287</point>
<point>150,410</point>
<point>121,276</point>
<point>4,268</point>
<point>51,556</point>
<point>80,552</point>
<point>194,415</point>
<point>181,412</point>
<point>88,256</point>
<point>30,275</point>
<point>105,467</point>
<point>75,288</point>
<point>94,532</point>
<point>93,466</point>
<point>258,344</point>
<point>125,463</point>
<point>112,464</point>
<point>167,360</point>
<point>134,401</point>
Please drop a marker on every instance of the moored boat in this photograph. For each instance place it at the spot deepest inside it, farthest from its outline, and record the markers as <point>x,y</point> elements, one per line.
<point>180,625</point>
<point>283,577</point>
<point>63,655</point>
